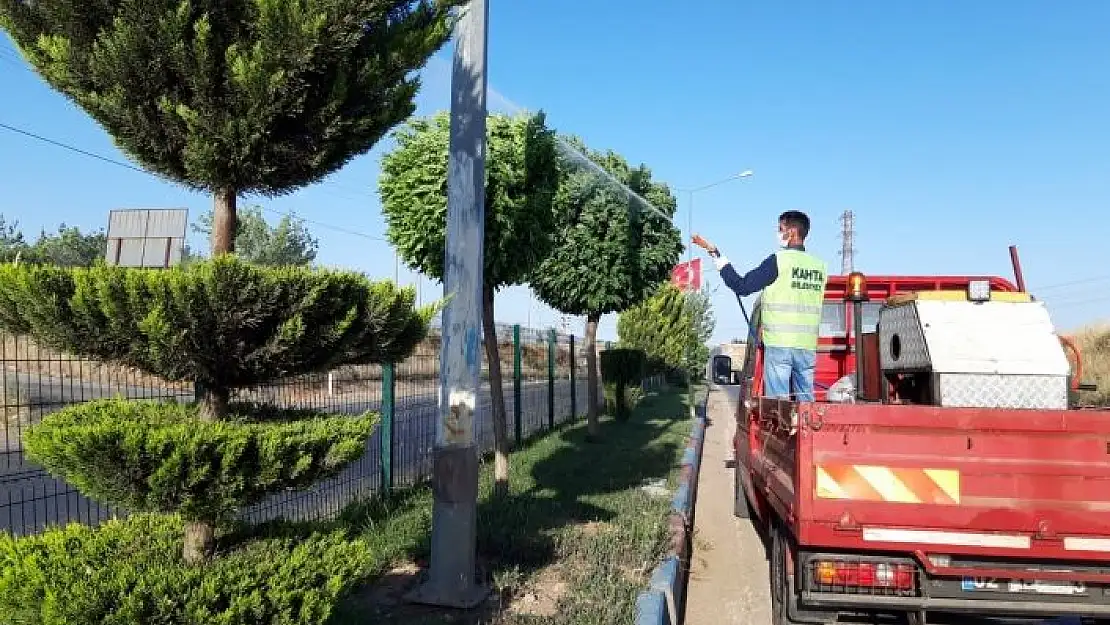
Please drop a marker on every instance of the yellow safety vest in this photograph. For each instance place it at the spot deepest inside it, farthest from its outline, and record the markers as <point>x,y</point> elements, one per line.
<point>790,308</point>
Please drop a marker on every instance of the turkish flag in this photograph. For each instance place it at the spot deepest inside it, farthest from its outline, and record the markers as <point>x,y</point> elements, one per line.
<point>687,276</point>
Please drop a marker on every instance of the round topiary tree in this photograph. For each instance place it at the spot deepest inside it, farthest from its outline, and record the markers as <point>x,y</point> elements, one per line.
<point>612,248</point>
<point>521,182</point>
<point>222,324</point>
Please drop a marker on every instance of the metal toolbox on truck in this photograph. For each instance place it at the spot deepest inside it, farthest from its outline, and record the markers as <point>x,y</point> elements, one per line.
<point>970,351</point>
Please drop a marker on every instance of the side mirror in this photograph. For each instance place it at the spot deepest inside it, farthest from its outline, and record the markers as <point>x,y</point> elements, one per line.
<point>722,371</point>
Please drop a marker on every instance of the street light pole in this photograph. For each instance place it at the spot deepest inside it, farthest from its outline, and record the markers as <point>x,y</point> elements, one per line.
<point>689,228</point>
<point>690,259</point>
<point>690,208</point>
<point>452,577</point>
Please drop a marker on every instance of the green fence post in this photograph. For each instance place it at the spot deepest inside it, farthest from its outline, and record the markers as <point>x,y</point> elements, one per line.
<point>551,379</point>
<point>573,382</point>
<point>389,409</point>
<point>517,427</point>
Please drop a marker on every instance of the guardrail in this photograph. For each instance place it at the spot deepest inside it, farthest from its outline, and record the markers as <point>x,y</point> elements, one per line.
<point>662,602</point>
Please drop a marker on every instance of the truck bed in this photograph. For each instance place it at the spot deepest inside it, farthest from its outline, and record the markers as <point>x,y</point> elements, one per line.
<point>977,482</point>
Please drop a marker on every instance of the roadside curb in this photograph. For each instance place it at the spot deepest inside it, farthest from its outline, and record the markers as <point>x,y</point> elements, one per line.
<point>662,602</point>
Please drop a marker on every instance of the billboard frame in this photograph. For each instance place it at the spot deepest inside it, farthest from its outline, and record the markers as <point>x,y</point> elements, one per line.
<point>170,254</point>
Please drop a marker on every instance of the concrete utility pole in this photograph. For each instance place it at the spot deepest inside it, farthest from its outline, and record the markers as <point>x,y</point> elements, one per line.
<point>452,579</point>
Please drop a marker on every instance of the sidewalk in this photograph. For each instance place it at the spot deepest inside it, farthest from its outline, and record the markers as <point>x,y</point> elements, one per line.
<point>728,570</point>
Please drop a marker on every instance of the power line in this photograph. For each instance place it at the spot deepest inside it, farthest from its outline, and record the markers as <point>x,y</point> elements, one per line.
<point>1079,302</point>
<point>326,225</point>
<point>13,57</point>
<point>1060,285</point>
<point>71,148</point>
<point>140,170</point>
<point>9,60</point>
<point>1069,298</point>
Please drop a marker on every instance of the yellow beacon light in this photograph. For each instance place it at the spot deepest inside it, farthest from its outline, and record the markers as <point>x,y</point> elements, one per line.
<point>857,287</point>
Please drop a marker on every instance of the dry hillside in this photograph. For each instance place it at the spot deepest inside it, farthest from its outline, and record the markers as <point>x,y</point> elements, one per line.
<point>1094,344</point>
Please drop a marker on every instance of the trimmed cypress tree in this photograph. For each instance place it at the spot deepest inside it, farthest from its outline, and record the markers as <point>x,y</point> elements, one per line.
<point>235,96</point>
<point>228,97</point>
<point>222,324</point>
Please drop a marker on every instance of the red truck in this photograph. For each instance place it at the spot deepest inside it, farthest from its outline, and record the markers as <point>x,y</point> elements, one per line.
<point>958,478</point>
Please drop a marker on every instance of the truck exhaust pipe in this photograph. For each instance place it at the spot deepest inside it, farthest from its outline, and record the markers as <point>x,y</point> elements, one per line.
<point>1016,262</point>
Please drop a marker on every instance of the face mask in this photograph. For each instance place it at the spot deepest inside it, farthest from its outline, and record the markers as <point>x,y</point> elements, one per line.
<point>784,239</point>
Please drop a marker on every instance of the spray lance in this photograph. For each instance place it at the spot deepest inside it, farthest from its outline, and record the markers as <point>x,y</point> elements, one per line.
<point>702,243</point>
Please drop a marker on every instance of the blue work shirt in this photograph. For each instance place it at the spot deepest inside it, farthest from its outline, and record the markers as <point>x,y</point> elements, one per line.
<point>755,280</point>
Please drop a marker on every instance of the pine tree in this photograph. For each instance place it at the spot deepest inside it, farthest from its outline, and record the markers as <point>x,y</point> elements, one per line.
<point>256,241</point>
<point>662,327</point>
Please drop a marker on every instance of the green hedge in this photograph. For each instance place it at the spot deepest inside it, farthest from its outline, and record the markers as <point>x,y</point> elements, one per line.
<point>147,456</point>
<point>622,369</point>
<point>623,366</point>
<point>130,572</point>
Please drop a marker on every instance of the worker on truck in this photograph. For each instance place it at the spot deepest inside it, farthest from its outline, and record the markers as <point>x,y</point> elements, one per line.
<point>793,284</point>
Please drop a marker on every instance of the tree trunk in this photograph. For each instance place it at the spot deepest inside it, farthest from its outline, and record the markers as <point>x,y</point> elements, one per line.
<point>200,537</point>
<point>224,222</point>
<point>593,428</point>
<point>213,402</point>
<point>497,398</point>
<point>200,542</point>
<point>622,401</point>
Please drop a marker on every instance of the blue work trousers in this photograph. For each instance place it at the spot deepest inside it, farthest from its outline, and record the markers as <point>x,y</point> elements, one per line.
<point>786,367</point>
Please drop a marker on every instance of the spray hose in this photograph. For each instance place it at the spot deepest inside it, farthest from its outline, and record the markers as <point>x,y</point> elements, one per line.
<point>1077,374</point>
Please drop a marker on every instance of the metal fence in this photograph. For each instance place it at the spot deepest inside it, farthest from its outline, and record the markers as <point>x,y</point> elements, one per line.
<point>544,376</point>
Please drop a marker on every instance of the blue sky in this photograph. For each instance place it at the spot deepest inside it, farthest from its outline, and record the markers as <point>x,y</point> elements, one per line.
<point>951,129</point>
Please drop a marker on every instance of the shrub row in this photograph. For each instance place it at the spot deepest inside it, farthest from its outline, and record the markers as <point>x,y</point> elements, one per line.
<point>130,571</point>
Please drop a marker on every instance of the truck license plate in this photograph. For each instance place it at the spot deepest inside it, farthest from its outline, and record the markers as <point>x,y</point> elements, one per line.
<point>1022,586</point>
<point>981,583</point>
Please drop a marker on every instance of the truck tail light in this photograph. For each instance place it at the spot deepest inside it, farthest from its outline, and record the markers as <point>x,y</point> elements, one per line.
<point>863,576</point>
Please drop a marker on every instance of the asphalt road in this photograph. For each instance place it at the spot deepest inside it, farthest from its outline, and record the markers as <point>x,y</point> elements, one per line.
<point>30,499</point>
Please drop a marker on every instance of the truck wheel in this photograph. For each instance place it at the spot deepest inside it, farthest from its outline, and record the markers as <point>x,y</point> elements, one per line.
<point>740,507</point>
<point>784,600</point>
<point>780,589</point>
